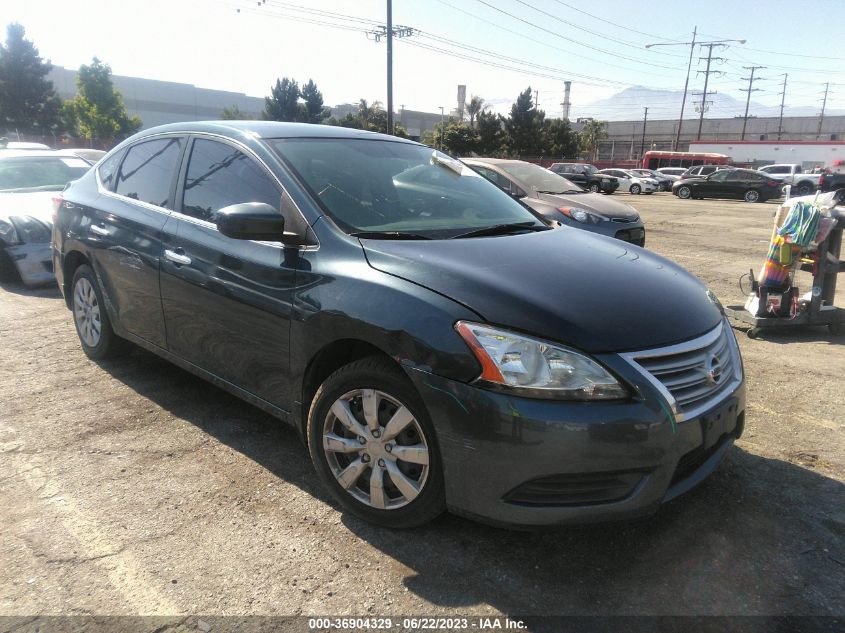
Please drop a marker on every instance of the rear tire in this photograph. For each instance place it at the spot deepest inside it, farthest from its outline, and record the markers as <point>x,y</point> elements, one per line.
<point>635,189</point>
<point>804,189</point>
<point>752,195</point>
<point>351,455</point>
<point>594,188</point>
<point>92,322</point>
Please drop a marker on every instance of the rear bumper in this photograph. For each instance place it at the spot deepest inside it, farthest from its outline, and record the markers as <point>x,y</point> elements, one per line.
<point>522,462</point>
<point>33,263</point>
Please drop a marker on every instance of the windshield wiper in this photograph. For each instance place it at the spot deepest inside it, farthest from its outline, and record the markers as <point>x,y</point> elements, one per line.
<point>389,235</point>
<point>502,229</point>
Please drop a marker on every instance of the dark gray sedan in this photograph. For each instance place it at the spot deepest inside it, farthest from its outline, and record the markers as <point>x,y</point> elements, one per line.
<point>556,198</point>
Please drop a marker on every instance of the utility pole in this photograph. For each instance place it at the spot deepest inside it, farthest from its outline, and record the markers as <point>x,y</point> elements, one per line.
<point>642,143</point>
<point>749,90</point>
<point>390,66</point>
<point>707,72</point>
<point>782,101</point>
<point>821,116</point>
<point>689,68</point>
<point>441,128</point>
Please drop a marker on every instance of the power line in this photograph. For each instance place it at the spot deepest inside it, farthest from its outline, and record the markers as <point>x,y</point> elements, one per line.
<point>619,26</point>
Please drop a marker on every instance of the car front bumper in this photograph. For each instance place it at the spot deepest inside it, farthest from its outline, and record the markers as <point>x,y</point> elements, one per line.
<point>33,262</point>
<point>524,462</point>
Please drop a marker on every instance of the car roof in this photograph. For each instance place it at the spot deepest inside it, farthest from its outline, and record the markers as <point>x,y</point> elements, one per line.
<point>34,153</point>
<point>495,161</point>
<point>268,130</point>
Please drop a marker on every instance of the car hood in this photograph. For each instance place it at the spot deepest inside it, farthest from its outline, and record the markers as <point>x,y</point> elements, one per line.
<point>603,205</point>
<point>585,290</point>
<point>36,204</point>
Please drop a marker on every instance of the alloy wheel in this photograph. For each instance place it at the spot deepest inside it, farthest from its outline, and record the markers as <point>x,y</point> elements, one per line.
<point>376,449</point>
<point>752,196</point>
<point>684,192</point>
<point>86,312</point>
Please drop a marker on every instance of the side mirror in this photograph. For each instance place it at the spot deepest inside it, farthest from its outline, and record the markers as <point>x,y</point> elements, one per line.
<point>251,221</point>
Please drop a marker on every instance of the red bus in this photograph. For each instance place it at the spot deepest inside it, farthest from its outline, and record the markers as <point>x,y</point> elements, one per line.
<point>655,159</point>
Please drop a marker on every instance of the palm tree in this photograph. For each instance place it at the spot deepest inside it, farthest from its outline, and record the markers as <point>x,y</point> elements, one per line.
<point>367,112</point>
<point>591,135</point>
<point>474,106</point>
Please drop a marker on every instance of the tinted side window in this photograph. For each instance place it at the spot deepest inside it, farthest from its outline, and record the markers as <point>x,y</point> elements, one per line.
<point>218,176</point>
<point>147,171</point>
<point>108,171</point>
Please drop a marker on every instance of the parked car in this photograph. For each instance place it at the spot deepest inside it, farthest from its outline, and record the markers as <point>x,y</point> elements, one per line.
<point>29,180</point>
<point>832,179</point>
<point>91,155</point>
<point>557,199</point>
<point>744,184</point>
<point>793,175</point>
<point>632,182</point>
<point>435,343</point>
<point>664,182</point>
<point>701,171</point>
<point>25,145</point>
<point>672,172</point>
<point>586,176</point>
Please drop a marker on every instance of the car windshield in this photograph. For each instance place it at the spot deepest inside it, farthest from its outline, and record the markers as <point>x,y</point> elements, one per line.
<point>540,179</point>
<point>40,173</point>
<point>399,190</point>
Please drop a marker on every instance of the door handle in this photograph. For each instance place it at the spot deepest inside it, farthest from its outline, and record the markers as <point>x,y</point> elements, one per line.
<point>177,258</point>
<point>98,230</point>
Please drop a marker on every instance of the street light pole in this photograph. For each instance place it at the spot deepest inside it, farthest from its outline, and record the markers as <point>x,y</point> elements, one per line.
<point>642,143</point>
<point>689,68</point>
<point>390,66</point>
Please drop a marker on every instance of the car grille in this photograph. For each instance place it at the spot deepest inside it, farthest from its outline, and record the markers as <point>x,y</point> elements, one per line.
<point>575,489</point>
<point>693,375</point>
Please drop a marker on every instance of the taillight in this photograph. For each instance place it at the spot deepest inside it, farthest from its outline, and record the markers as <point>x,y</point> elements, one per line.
<point>57,203</point>
<point>821,180</point>
<point>774,183</point>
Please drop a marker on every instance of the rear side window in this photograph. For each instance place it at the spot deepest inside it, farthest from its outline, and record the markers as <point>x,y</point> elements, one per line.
<point>219,175</point>
<point>108,171</point>
<point>146,173</point>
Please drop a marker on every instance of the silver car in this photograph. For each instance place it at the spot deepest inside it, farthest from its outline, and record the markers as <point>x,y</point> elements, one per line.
<point>28,181</point>
<point>556,198</point>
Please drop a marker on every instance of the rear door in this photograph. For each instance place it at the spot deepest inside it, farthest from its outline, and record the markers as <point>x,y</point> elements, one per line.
<point>227,302</point>
<point>124,231</point>
<point>716,185</point>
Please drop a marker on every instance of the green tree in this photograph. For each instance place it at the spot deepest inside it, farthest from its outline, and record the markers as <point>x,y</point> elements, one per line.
<point>591,135</point>
<point>474,106</point>
<point>370,117</point>
<point>233,113</point>
<point>28,102</point>
<point>524,126</point>
<point>491,136</point>
<point>283,102</point>
<point>313,110</point>
<point>460,139</point>
<point>97,111</point>
<point>559,139</point>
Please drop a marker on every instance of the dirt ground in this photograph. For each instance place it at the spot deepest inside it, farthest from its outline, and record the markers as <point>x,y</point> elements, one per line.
<point>132,487</point>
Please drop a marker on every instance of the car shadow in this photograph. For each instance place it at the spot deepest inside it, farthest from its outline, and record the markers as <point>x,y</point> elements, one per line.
<point>50,292</point>
<point>760,536</point>
<point>799,334</point>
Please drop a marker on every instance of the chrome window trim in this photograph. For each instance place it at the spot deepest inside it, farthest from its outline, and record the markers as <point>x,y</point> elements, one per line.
<point>690,346</point>
<point>203,223</point>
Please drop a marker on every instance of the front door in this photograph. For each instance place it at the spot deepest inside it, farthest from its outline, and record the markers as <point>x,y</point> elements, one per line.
<point>227,302</point>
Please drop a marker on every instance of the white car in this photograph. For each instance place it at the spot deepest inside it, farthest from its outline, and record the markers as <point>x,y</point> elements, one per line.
<point>672,172</point>
<point>631,182</point>
<point>29,179</point>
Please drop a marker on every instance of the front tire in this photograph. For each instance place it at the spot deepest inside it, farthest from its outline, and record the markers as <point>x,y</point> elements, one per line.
<point>635,189</point>
<point>804,189</point>
<point>594,188</point>
<point>752,195</point>
<point>684,192</point>
<point>92,323</point>
<point>373,445</point>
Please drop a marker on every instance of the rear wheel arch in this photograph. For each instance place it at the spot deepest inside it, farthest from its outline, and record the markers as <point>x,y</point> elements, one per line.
<point>73,260</point>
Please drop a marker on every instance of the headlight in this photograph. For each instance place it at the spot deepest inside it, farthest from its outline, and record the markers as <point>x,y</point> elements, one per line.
<point>8,233</point>
<point>537,368</point>
<point>581,215</point>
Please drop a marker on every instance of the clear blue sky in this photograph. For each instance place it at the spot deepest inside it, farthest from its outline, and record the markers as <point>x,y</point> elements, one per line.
<point>598,45</point>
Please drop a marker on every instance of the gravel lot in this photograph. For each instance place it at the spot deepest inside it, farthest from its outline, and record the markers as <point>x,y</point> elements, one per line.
<point>132,487</point>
